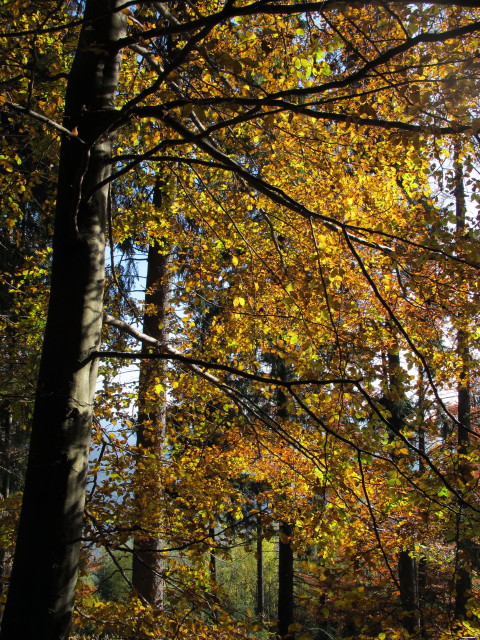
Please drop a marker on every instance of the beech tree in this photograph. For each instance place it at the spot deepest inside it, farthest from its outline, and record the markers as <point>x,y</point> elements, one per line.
<point>304,140</point>
<point>55,483</point>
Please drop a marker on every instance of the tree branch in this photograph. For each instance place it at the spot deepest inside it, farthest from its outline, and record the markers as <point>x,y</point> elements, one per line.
<point>170,353</point>
<point>41,118</point>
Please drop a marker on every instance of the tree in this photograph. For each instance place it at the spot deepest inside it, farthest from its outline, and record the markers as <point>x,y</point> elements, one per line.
<point>56,473</point>
<point>148,563</point>
<point>463,578</point>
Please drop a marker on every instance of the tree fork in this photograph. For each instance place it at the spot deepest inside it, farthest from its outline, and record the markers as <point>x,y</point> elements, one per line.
<point>42,587</point>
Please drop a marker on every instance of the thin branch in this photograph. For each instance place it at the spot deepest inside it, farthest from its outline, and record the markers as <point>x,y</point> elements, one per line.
<point>401,329</point>
<point>41,118</point>
<point>282,106</point>
<point>358,449</point>
<point>263,7</point>
<point>374,522</point>
<point>386,56</point>
<point>170,353</point>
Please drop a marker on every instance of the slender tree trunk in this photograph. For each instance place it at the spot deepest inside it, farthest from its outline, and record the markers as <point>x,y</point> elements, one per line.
<point>285,580</point>
<point>6,432</point>
<point>463,352</point>
<point>396,393</point>
<point>422,565</point>
<point>260,590</point>
<point>44,575</point>
<point>212,569</point>
<point>463,578</point>
<point>212,560</point>
<point>285,616</point>
<point>148,561</point>
<point>407,564</point>
<point>408,579</point>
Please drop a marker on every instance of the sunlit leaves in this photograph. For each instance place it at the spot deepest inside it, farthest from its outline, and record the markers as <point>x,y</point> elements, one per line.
<point>301,163</point>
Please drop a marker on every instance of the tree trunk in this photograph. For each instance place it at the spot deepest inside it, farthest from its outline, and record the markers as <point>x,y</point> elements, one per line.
<point>285,616</point>
<point>212,560</point>
<point>148,560</point>
<point>408,579</point>
<point>285,580</point>
<point>422,565</point>
<point>260,590</point>
<point>463,579</point>
<point>396,394</point>
<point>407,564</point>
<point>6,434</point>
<point>44,576</point>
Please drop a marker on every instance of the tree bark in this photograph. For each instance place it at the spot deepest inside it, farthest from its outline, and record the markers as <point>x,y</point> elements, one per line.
<point>422,564</point>
<point>407,564</point>
<point>212,560</point>
<point>285,581</point>
<point>148,560</point>
<point>6,433</point>
<point>463,578</point>
<point>44,575</point>
<point>260,589</point>
<point>408,579</point>
<point>6,426</point>
<point>285,616</point>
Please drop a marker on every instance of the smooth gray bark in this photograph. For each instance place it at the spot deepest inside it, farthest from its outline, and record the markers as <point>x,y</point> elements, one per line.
<point>44,575</point>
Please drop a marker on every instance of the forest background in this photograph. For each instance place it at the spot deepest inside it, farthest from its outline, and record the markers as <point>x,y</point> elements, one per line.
<point>287,197</point>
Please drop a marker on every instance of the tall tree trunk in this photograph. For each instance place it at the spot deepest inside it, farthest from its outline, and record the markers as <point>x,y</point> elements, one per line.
<point>260,589</point>
<point>148,560</point>
<point>6,434</point>
<point>212,560</point>
<point>422,565</point>
<point>44,575</point>
<point>212,569</point>
<point>285,532</point>
<point>463,579</point>
<point>407,564</point>
<point>408,579</point>
<point>285,580</point>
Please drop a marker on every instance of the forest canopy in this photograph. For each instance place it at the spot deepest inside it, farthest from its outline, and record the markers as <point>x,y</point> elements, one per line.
<point>239,307</point>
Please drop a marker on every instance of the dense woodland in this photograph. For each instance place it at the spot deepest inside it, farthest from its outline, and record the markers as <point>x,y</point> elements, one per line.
<point>240,372</point>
